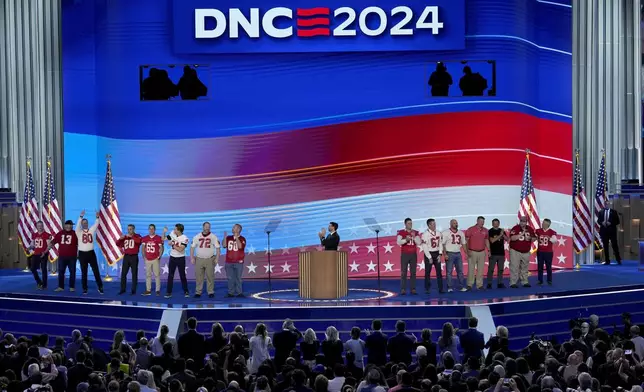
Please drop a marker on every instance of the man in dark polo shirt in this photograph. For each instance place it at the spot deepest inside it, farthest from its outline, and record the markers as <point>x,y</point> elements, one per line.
<point>497,254</point>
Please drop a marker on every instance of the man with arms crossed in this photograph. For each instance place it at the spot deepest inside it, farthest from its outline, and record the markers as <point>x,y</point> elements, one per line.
<point>67,254</point>
<point>408,239</point>
<point>477,246</point>
<point>206,259</point>
<point>431,245</point>
<point>453,241</point>
<point>521,238</point>
<point>497,254</point>
<point>235,252</point>
<point>39,260</point>
<point>178,244</point>
<point>151,250</point>
<point>130,243</point>
<point>86,254</point>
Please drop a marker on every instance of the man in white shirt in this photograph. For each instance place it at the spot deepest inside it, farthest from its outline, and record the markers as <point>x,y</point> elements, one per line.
<point>432,249</point>
<point>178,243</point>
<point>207,253</point>
<point>454,241</point>
<point>86,254</point>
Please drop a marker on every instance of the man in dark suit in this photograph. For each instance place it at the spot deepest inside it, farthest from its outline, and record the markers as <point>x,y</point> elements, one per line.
<point>186,377</point>
<point>376,344</point>
<point>191,344</point>
<point>284,341</point>
<point>332,240</point>
<point>472,341</point>
<point>401,345</point>
<point>608,220</point>
<point>78,373</point>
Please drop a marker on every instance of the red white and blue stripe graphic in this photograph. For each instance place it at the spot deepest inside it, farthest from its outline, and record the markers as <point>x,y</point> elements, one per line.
<point>313,22</point>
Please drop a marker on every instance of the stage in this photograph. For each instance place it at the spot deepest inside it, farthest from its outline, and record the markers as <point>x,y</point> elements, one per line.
<point>283,292</point>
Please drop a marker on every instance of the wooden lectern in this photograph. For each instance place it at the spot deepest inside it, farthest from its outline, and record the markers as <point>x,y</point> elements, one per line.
<point>323,274</point>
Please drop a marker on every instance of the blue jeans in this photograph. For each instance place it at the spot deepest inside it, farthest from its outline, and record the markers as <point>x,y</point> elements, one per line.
<point>454,259</point>
<point>234,274</point>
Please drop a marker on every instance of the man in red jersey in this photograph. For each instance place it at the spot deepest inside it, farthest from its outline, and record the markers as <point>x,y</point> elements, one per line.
<point>478,246</point>
<point>86,254</point>
<point>521,238</point>
<point>546,237</point>
<point>130,244</point>
<point>235,253</point>
<point>408,239</point>
<point>151,251</point>
<point>39,260</point>
<point>67,241</point>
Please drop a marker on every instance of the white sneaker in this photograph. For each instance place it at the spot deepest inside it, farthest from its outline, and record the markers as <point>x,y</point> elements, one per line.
<point>463,288</point>
<point>449,290</point>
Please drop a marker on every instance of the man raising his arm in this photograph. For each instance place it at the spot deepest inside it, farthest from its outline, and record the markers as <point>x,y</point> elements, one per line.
<point>86,253</point>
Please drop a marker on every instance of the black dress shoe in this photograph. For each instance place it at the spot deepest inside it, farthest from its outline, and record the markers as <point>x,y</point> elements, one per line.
<point>229,295</point>
<point>527,285</point>
<point>121,292</point>
<point>489,286</point>
<point>514,286</point>
<point>211,296</point>
<point>606,263</point>
<point>500,286</point>
<point>197,295</point>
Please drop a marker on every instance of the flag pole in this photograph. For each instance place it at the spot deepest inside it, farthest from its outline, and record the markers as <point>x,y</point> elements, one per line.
<point>28,261</point>
<point>578,255</point>
<point>107,277</point>
<point>52,266</point>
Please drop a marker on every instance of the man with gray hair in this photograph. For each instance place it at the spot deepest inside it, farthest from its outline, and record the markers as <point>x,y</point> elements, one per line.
<point>638,341</point>
<point>548,382</point>
<point>284,341</point>
<point>585,381</point>
<point>75,345</point>
<point>143,354</point>
<point>144,377</point>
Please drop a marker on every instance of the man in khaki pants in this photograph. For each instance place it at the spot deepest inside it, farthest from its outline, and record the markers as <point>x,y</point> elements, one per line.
<point>478,247</point>
<point>521,238</point>
<point>152,249</point>
<point>207,252</point>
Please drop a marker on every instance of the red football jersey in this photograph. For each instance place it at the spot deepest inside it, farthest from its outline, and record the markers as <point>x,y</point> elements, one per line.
<point>152,247</point>
<point>235,254</point>
<point>39,241</point>
<point>130,245</point>
<point>67,243</point>
<point>523,244</point>
<point>409,247</point>
<point>545,245</point>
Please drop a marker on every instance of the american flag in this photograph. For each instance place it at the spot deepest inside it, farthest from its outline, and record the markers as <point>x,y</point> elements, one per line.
<point>581,221</point>
<point>528,203</point>
<point>28,213</point>
<point>109,224</point>
<point>601,197</point>
<point>50,211</point>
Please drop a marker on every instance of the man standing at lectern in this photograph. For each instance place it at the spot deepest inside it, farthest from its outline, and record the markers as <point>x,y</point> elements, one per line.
<point>409,240</point>
<point>332,240</point>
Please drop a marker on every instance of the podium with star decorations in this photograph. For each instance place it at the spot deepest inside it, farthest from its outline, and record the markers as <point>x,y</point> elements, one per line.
<point>323,275</point>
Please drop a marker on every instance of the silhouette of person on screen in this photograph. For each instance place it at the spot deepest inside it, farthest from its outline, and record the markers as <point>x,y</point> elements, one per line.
<point>158,86</point>
<point>440,80</point>
<point>472,84</point>
<point>190,87</point>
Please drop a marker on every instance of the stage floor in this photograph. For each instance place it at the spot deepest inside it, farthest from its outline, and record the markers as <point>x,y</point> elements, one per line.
<point>589,279</point>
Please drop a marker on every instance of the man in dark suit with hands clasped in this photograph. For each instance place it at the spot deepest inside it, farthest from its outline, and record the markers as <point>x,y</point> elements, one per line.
<point>608,220</point>
<point>332,240</point>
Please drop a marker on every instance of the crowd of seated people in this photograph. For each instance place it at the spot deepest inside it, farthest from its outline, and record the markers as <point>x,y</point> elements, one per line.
<point>365,361</point>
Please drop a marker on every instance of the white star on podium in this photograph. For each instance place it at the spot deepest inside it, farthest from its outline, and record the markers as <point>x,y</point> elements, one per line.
<point>354,266</point>
<point>354,248</point>
<point>267,252</point>
<point>421,265</point>
<point>371,266</point>
<point>388,248</point>
<point>389,266</point>
<point>286,267</point>
<point>506,246</point>
<point>218,268</point>
<point>506,264</point>
<point>266,268</point>
<point>285,250</point>
<point>561,241</point>
<point>251,268</point>
<point>164,269</point>
<point>371,248</point>
<point>251,250</point>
